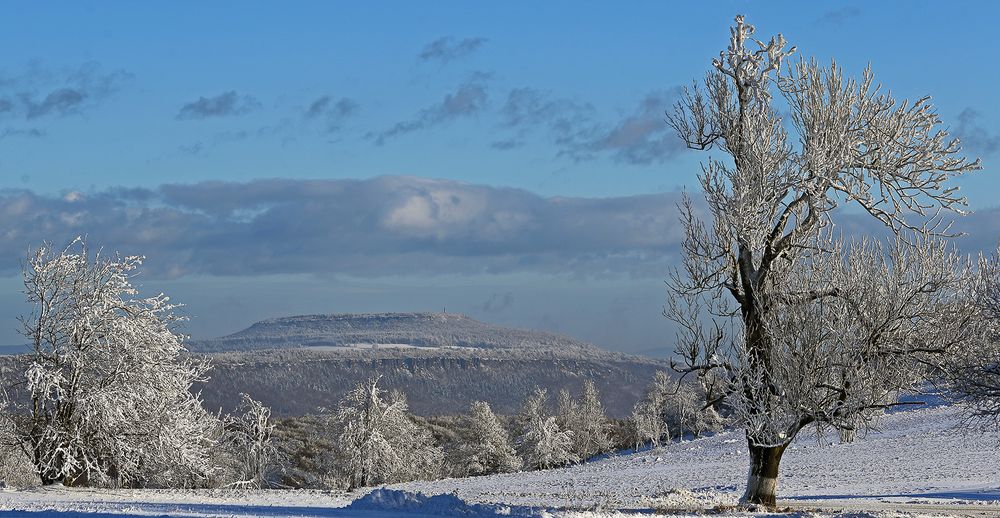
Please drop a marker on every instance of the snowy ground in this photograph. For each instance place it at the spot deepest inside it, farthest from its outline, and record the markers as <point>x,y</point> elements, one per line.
<point>918,465</point>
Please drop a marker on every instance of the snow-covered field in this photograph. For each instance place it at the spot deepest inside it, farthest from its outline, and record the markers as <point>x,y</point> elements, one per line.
<point>919,464</point>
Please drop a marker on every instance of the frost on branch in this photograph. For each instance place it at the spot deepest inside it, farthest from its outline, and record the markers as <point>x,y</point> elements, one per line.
<point>109,381</point>
<point>790,321</point>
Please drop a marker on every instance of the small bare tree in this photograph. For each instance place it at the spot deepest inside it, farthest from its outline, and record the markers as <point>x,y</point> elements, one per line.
<point>806,327</point>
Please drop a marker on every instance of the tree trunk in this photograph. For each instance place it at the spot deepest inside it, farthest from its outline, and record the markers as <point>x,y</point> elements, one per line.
<point>762,482</point>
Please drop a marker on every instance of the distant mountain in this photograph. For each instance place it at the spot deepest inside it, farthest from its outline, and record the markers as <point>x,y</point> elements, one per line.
<point>388,330</point>
<point>442,361</point>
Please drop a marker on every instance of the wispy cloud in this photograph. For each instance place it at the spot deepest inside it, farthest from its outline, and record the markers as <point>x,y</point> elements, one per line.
<point>973,135</point>
<point>42,92</point>
<point>22,133</point>
<point>640,136</point>
<point>838,17</point>
<point>468,99</point>
<point>448,49</point>
<point>226,104</point>
<point>332,112</point>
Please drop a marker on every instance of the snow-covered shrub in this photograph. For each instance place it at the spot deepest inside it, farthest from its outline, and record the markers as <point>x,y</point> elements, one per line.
<point>542,444</point>
<point>378,441</point>
<point>648,424</point>
<point>306,453</point>
<point>486,446</point>
<point>109,380</point>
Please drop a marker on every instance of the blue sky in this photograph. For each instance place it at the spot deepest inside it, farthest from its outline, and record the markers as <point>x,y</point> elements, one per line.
<point>275,158</point>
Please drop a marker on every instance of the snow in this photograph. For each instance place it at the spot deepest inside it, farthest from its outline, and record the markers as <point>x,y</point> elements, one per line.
<point>918,464</point>
<point>918,455</point>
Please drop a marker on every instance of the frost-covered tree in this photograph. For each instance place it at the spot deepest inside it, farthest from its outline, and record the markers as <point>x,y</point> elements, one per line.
<point>649,415</point>
<point>486,445</point>
<point>542,443</point>
<point>974,372</point>
<point>804,326</point>
<point>586,419</point>
<point>378,441</point>
<point>109,379</point>
<point>670,406</point>
<point>647,423</point>
<point>248,438</point>
<point>687,412</point>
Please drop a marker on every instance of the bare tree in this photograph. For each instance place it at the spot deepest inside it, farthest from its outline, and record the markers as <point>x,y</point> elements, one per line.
<point>109,382</point>
<point>804,326</point>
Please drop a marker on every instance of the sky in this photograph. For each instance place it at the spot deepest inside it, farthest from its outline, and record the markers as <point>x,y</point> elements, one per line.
<point>506,160</point>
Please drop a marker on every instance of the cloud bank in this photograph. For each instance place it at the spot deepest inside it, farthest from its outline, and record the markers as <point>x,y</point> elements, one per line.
<point>376,227</point>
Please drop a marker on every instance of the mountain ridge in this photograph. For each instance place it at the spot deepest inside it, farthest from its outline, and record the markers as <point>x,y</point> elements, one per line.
<point>423,330</point>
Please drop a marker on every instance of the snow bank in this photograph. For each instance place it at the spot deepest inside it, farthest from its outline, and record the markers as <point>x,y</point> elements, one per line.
<point>446,504</point>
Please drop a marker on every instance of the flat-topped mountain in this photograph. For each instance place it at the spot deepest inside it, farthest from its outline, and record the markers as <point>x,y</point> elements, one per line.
<point>389,330</point>
<point>442,361</point>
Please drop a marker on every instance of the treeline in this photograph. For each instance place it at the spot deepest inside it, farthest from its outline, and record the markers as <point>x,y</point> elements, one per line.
<point>372,439</point>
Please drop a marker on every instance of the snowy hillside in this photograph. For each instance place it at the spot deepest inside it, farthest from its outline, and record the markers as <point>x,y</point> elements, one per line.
<point>919,463</point>
<point>918,456</point>
<point>436,381</point>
